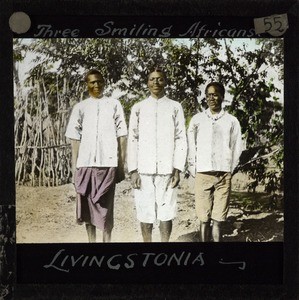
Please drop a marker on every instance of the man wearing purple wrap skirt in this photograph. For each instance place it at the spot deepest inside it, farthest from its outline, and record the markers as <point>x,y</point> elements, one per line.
<point>97,130</point>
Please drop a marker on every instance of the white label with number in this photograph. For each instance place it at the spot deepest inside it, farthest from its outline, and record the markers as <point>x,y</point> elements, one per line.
<point>275,25</point>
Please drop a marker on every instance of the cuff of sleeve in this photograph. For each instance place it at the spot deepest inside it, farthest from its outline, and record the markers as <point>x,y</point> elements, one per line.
<point>192,170</point>
<point>132,169</point>
<point>179,168</point>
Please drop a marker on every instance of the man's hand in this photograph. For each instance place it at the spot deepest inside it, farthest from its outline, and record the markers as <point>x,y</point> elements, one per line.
<point>174,179</point>
<point>135,180</point>
<point>120,174</point>
<point>73,175</point>
<point>75,144</point>
<point>120,170</point>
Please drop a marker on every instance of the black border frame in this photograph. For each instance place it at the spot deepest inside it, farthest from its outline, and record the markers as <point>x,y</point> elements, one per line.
<point>226,8</point>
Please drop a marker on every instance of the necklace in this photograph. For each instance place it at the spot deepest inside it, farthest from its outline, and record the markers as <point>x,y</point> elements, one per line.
<point>216,117</point>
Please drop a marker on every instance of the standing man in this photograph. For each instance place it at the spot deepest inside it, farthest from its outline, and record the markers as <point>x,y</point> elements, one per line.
<point>97,130</point>
<point>157,150</point>
<point>215,145</point>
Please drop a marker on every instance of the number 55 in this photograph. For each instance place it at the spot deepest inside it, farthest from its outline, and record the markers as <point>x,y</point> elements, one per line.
<point>273,24</point>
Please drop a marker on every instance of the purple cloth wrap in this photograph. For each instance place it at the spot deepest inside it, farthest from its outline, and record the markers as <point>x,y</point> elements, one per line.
<point>95,188</point>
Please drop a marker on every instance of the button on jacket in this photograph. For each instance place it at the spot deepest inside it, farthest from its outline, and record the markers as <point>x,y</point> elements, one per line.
<point>214,142</point>
<point>97,123</point>
<point>157,137</point>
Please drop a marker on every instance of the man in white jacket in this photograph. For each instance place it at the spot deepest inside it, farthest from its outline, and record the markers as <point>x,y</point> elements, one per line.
<point>215,146</point>
<point>97,131</point>
<point>157,149</point>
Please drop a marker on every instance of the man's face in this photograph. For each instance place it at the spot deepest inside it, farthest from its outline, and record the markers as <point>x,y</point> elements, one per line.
<point>156,83</point>
<point>95,85</point>
<point>214,99</point>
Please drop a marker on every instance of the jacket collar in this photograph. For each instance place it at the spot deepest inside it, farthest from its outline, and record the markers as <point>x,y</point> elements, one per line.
<point>155,99</point>
<point>214,117</point>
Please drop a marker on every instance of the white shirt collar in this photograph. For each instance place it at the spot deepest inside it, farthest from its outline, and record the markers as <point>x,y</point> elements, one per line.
<point>214,117</point>
<point>155,99</point>
<point>96,99</point>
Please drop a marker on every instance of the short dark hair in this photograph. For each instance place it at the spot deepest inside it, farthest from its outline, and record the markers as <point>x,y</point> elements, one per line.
<point>156,69</point>
<point>219,87</point>
<point>92,72</point>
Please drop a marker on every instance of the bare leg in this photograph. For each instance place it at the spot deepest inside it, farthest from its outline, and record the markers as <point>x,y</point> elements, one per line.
<point>107,236</point>
<point>91,232</point>
<point>165,230</point>
<point>146,230</point>
<point>216,231</point>
<point>205,231</point>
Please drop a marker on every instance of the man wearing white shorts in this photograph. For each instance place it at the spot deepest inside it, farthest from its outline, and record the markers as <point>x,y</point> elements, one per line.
<point>157,149</point>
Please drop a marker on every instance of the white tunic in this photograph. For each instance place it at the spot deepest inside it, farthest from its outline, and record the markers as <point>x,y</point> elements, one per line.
<point>214,142</point>
<point>97,123</point>
<point>157,137</point>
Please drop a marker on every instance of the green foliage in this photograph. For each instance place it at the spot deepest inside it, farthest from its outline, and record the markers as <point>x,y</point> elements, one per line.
<point>247,73</point>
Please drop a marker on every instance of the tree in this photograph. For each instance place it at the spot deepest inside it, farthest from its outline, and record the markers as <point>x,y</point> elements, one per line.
<point>55,84</point>
<point>256,104</point>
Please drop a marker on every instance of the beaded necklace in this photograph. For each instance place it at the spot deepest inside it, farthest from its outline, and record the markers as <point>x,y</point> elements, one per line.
<point>216,116</point>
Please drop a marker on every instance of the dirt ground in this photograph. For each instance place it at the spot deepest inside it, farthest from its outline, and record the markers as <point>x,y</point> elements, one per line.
<point>47,215</point>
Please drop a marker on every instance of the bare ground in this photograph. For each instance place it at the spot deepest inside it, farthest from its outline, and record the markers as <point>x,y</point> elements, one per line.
<point>47,215</point>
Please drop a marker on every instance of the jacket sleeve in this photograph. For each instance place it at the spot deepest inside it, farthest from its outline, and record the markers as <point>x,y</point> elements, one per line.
<point>74,127</point>
<point>180,140</point>
<point>133,138</point>
<point>191,156</point>
<point>119,119</point>
<point>237,144</point>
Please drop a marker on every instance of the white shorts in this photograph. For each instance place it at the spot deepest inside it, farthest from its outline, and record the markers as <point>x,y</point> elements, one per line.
<point>154,200</point>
